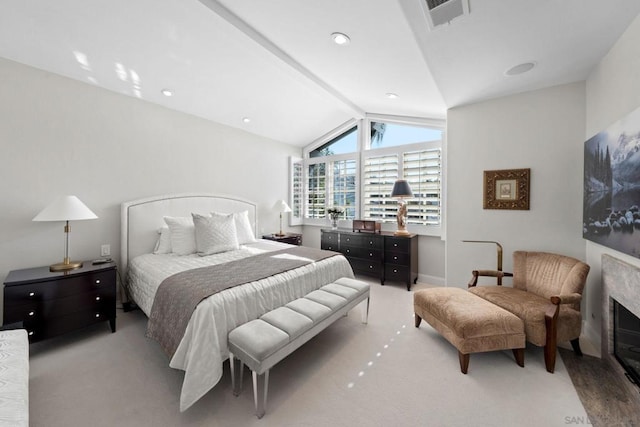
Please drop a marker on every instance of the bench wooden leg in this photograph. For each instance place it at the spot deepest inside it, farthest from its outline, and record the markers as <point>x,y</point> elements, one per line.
<point>464,362</point>
<point>237,370</point>
<point>260,392</point>
<point>519,355</point>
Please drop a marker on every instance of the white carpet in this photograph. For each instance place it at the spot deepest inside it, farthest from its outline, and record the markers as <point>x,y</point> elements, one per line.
<point>386,373</point>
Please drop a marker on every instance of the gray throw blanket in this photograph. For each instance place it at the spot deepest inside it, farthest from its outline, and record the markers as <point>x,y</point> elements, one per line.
<point>178,295</point>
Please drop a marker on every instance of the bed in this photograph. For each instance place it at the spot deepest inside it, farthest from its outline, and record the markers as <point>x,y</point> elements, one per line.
<point>203,347</point>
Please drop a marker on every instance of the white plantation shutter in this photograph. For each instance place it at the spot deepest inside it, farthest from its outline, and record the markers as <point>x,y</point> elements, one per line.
<point>316,190</point>
<point>296,191</point>
<point>422,169</point>
<point>378,176</point>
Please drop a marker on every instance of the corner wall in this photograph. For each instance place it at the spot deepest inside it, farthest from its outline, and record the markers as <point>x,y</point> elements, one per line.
<point>542,130</point>
<point>612,92</point>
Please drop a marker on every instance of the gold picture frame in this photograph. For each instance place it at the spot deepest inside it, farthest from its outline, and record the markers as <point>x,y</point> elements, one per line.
<point>507,189</point>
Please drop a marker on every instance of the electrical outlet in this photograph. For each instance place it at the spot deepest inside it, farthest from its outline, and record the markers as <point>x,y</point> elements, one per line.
<point>105,250</point>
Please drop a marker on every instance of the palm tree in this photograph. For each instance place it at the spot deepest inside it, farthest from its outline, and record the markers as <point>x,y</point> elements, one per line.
<point>377,132</point>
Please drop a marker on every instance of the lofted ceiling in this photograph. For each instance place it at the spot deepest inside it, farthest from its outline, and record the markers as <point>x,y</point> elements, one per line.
<point>275,63</point>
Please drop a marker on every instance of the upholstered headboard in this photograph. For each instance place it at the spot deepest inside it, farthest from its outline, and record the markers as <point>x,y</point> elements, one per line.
<point>141,219</point>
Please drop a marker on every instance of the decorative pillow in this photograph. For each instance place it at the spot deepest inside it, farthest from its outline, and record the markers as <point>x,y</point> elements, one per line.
<point>243,226</point>
<point>163,245</point>
<point>182,232</point>
<point>214,234</point>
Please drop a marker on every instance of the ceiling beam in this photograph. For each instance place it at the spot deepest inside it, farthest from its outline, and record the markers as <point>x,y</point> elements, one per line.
<point>272,48</point>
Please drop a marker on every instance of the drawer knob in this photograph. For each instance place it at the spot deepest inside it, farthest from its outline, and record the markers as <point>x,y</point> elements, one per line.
<point>31,313</point>
<point>370,254</point>
<point>348,250</point>
<point>30,333</point>
<point>395,245</point>
<point>395,257</point>
<point>97,281</point>
<point>371,266</point>
<point>395,271</point>
<point>97,298</point>
<point>31,294</point>
<point>97,314</point>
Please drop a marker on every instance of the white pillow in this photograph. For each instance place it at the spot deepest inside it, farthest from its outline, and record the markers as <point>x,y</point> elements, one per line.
<point>214,234</point>
<point>163,245</point>
<point>243,226</point>
<point>183,239</point>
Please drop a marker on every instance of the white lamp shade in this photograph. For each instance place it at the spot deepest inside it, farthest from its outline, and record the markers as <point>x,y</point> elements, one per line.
<point>282,206</point>
<point>65,208</point>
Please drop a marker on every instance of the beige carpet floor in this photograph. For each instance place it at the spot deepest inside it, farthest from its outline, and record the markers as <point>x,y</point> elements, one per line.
<point>385,373</point>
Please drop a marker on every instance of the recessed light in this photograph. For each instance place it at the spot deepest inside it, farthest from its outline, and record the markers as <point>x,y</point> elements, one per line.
<point>246,119</point>
<point>340,38</point>
<point>166,92</point>
<point>520,68</point>
<point>391,95</point>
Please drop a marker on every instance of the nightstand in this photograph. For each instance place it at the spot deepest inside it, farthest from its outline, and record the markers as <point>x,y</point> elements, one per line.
<point>47,303</point>
<point>291,238</point>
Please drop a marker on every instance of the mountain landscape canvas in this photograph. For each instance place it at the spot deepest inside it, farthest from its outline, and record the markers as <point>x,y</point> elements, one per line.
<point>611,210</point>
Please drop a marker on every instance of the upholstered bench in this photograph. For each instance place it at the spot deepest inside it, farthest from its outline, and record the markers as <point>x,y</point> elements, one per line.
<point>470,323</point>
<point>263,342</point>
<point>14,378</point>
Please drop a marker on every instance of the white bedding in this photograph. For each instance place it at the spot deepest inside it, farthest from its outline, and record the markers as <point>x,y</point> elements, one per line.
<point>203,348</point>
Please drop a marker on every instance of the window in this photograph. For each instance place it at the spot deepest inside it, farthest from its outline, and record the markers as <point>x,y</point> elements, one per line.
<point>316,190</point>
<point>379,174</point>
<point>346,142</point>
<point>296,191</point>
<point>393,134</point>
<point>343,191</point>
<point>422,170</point>
<point>338,174</point>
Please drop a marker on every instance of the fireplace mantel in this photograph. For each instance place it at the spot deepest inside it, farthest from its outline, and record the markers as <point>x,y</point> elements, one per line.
<point>620,281</point>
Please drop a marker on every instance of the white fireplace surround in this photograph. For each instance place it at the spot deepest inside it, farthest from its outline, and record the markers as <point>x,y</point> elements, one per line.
<point>620,281</point>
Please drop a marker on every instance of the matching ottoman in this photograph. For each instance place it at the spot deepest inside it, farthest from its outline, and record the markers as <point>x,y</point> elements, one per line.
<point>470,323</point>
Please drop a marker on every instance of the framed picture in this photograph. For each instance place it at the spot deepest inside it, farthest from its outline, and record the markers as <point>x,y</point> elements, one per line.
<point>611,209</point>
<point>507,189</point>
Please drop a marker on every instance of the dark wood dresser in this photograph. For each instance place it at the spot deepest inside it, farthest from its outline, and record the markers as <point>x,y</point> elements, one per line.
<point>380,255</point>
<point>47,303</point>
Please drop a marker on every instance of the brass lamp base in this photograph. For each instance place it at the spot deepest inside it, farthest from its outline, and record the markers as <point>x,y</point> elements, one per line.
<point>401,233</point>
<point>64,266</point>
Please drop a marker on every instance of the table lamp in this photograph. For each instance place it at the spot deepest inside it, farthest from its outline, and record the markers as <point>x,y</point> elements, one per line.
<point>66,208</point>
<point>282,207</point>
<point>401,189</point>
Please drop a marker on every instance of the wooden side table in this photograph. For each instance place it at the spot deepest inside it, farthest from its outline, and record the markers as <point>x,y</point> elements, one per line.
<point>290,238</point>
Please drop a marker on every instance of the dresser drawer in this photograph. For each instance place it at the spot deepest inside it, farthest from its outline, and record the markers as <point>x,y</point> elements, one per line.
<point>59,288</point>
<point>374,255</point>
<point>361,241</point>
<point>396,272</point>
<point>365,266</point>
<point>63,324</point>
<point>397,244</point>
<point>41,310</point>
<point>399,258</point>
<point>328,237</point>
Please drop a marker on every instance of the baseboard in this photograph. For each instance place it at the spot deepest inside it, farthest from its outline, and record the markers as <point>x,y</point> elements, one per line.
<point>431,280</point>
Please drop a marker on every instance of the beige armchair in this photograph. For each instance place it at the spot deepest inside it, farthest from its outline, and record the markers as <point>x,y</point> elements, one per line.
<point>546,294</point>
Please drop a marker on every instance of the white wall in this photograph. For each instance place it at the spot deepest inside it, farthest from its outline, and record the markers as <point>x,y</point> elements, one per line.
<point>60,136</point>
<point>542,130</point>
<point>612,92</point>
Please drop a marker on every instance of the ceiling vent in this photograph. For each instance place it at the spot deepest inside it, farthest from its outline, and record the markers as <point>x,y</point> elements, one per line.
<point>440,12</point>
